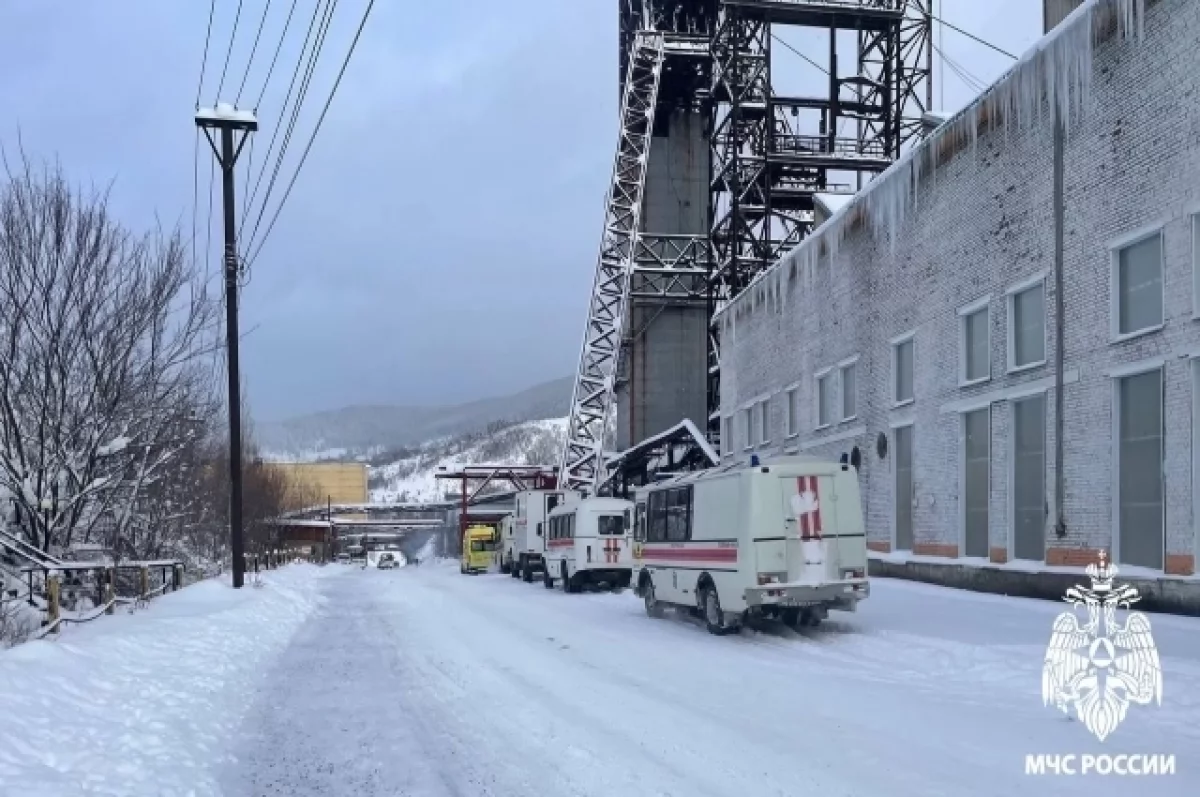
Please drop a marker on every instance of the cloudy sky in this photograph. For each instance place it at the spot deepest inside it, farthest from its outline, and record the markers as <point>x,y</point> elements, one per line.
<point>440,241</point>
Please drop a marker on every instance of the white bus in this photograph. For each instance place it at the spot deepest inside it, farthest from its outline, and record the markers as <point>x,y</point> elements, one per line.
<point>587,542</point>
<point>783,538</point>
<point>524,556</point>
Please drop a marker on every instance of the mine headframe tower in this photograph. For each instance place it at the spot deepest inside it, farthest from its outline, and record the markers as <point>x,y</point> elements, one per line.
<point>696,81</point>
<point>773,154</point>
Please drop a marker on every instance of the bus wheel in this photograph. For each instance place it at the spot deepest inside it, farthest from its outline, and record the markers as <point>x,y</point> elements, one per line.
<point>790,617</point>
<point>547,580</point>
<point>513,570</point>
<point>653,607</point>
<point>527,573</point>
<point>714,618</point>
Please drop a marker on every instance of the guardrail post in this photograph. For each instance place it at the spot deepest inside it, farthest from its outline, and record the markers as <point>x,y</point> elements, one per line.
<point>110,588</point>
<point>145,578</point>
<point>52,598</point>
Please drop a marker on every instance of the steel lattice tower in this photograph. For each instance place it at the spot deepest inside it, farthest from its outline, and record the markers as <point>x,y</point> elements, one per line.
<point>772,154</point>
<point>766,157</point>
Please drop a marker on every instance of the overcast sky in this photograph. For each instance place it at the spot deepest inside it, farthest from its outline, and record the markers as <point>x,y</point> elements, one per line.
<point>440,242</point>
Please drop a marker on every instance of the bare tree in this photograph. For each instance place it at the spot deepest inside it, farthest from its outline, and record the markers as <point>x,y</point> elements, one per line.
<point>101,384</point>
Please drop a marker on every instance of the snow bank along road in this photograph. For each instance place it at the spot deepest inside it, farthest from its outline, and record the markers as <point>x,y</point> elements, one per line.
<point>145,703</point>
<point>425,682</point>
<point>420,681</point>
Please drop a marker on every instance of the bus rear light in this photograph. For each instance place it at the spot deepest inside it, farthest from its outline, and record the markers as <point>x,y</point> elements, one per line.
<point>859,573</point>
<point>771,578</point>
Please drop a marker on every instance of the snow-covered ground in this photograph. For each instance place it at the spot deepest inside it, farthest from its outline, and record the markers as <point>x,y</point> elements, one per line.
<point>148,703</point>
<point>426,682</point>
<point>421,681</point>
<point>413,478</point>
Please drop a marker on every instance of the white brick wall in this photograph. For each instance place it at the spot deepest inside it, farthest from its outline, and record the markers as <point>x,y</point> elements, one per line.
<point>983,222</point>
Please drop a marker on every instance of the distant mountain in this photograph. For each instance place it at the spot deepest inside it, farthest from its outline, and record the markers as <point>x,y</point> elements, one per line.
<point>408,474</point>
<point>365,432</point>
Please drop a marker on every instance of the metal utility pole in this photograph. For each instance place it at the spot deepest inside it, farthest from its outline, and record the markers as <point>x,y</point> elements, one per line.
<point>228,121</point>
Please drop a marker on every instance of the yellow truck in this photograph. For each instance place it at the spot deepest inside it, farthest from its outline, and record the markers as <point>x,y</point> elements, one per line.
<point>478,549</point>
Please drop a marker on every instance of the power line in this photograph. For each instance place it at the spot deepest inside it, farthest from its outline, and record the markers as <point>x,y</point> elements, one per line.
<point>797,52</point>
<point>283,109</point>
<point>972,82</point>
<point>229,52</point>
<point>212,167</point>
<point>274,58</point>
<point>204,61</point>
<point>973,37</point>
<point>195,191</point>
<point>317,129</point>
<point>253,50</point>
<point>301,95</point>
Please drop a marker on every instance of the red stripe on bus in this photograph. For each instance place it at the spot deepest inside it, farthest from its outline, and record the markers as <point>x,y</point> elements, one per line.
<point>692,554</point>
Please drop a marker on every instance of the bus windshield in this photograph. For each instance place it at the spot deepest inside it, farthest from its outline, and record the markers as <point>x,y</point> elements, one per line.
<point>611,524</point>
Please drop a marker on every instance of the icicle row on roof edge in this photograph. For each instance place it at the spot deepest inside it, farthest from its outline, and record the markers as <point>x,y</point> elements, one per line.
<point>1057,72</point>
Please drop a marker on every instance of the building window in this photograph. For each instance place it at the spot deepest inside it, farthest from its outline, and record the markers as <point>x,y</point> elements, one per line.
<point>1027,326</point>
<point>1138,287</point>
<point>905,489</point>
<point>762,423</point>
<point>748,428</point>
<point>849,374</point>
<point>727,436</point>
<point>1196,265</point>
<point>1140,469</point>
<point>1029,478</point>
<point>793,427</point>
<point>976,344</point>
<point>902,370</point>
<point>976,482</point>
<point>824,399</point>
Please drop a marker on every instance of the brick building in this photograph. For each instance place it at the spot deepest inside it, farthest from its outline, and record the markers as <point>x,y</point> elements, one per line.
<point>919,323</point>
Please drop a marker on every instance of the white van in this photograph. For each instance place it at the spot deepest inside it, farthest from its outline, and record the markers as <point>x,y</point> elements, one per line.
<point>524,557</point>
<point>507,546</point>
<point>587,542</point>
<point>783,538</point>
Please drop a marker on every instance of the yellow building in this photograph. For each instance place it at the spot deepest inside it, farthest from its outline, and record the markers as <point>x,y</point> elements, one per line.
<point>316,483</point>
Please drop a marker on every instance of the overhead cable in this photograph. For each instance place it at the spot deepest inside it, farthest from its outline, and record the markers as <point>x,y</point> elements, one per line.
<point>317,129</point>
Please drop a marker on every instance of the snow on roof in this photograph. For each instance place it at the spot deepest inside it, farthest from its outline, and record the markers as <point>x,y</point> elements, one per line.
<point>650,442</point>
<point>832,203</point>
<point>224,112</point>
<point>937,117</point>
<point>1057,68</point>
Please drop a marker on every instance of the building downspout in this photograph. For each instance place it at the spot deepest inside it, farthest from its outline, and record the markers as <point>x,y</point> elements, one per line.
<point>1060,522</point>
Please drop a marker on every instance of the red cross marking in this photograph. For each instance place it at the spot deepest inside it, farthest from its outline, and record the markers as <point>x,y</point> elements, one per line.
<point>611,549</point>
<point>807,506</point>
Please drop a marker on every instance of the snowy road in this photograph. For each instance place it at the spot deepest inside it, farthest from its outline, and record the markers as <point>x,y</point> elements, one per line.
<point>425,682</point>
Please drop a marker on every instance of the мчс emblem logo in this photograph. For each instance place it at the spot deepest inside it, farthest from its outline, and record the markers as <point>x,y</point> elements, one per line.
<point>1101,666</point>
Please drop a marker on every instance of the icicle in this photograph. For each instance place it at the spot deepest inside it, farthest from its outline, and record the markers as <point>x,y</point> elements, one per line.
<point>1058,71</point>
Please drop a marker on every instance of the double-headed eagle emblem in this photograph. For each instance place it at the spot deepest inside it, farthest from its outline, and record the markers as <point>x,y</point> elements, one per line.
<point>1100,667</point>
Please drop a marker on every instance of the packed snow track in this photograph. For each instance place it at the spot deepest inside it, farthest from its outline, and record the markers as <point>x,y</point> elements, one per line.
<point>422,681</point>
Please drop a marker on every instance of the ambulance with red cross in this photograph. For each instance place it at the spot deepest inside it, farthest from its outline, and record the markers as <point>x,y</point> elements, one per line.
<point>588,543</point>
<point>783,538</point>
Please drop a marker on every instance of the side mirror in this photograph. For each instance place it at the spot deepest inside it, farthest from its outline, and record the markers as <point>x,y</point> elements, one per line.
<point>628,522</point>
<point>539,529</point>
